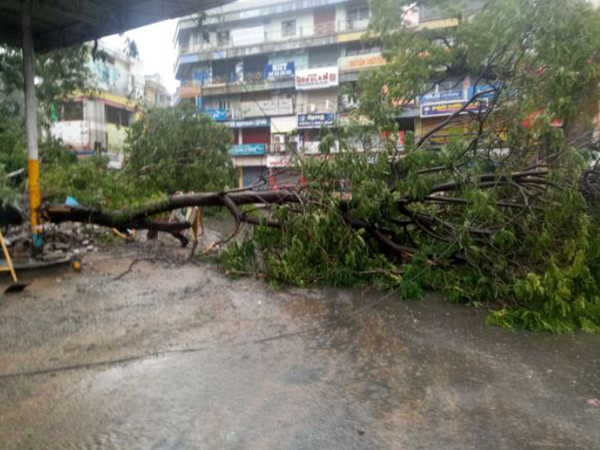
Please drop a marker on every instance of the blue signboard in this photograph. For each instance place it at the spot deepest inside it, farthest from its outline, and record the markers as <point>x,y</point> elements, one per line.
<point>248,123</point>
<point>284,71</point>
<point>248,150</point>
<point>316,120</point>
<point>218,115</point>
<point>480,88</point>
<point>444,96</point>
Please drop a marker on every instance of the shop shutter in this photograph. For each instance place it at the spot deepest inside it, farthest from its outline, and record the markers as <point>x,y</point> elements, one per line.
<point>256,135</point>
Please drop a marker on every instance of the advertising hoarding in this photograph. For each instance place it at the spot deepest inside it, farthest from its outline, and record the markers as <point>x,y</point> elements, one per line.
<point>320,78</point>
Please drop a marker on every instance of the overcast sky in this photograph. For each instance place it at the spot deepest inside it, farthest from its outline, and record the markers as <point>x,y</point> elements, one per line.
<point>155,44</point>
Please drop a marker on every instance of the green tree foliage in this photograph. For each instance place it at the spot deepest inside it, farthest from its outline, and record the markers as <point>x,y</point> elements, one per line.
<point>12,145</point>
<point>175,149</point>
<point>59,73</point>
<point>167,150</point>
<point>494,218</point>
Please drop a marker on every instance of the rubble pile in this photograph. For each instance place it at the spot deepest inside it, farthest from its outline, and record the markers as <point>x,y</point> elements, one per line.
<point>59,241</point>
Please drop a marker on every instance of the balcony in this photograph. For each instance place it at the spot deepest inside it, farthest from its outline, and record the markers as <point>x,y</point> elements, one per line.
<point>220,85</point>
<point>188,91</point>
<point>251,38</point>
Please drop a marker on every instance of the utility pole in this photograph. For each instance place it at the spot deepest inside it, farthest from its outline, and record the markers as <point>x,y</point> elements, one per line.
<point>33,164</point>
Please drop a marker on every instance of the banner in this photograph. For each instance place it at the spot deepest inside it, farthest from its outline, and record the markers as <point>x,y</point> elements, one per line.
<point>284,71</point>
<point>316,120</point>
<point>321,78</point>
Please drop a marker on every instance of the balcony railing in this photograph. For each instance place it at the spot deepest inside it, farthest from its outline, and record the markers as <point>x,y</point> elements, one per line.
<point>300,32</point>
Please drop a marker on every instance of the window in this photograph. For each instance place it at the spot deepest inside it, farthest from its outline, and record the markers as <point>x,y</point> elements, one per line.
<point>118,116</point>
<point>359,48</point>
<point>288,28</point>
<point>358,17</point>
<point>358,13</point>
<point>68,111</point>
<point>223,37</point>
<point>225,105</point>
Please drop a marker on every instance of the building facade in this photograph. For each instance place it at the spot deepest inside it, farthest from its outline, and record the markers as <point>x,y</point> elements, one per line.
<point>156,94</point>
<point>97,123</point>
<point>275,72</point>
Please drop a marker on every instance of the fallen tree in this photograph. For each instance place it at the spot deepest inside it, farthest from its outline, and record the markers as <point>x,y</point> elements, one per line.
<point>499,214</point>
<point>142,218</point>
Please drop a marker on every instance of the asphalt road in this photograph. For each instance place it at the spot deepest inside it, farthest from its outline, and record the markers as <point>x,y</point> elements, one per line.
<point>183,358</point>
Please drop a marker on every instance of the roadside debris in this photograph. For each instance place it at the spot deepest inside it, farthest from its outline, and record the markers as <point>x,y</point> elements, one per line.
<point>16,286</point>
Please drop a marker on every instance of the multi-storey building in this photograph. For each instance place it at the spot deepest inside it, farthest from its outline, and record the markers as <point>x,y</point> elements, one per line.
<point>97,122</point>
<point>274,72</point>
<point>267,68</point>
<point>156,94</point>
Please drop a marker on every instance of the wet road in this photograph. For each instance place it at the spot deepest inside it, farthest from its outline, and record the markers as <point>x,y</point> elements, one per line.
<point>182,358</point>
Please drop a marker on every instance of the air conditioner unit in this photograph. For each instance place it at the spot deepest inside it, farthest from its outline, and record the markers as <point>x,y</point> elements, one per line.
<point>278,139</point>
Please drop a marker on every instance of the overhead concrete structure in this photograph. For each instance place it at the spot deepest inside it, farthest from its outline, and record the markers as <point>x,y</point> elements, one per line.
<point>41,25</point>
<point>62,23</point>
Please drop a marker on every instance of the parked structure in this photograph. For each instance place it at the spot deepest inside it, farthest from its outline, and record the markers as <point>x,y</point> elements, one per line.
<point>97,123</point>
<point>274,72</point>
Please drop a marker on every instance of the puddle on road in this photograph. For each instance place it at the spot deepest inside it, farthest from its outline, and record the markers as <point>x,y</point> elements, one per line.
<point>400,375</point>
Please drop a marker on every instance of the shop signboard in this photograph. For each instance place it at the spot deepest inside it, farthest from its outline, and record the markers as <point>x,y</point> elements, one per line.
<point>248,123</point>
<point>280,161</point>
<point>272,107</point>
<point>449,108</point>
<point>319,78</point>
<point>248,150</point>
<point>485,91</point>
<point>360,62</point>
<point>451,132</point>
<point>218,115</point>
<point>283,71</point>
<point>444,96</point>
<point>317,120</point>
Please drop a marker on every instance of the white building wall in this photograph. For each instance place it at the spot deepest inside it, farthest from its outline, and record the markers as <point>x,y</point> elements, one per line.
<point>93,113</point>
<point>118,75</point>
<point>341,16</point>
<point>300,59</point>
<point>304,25</point>
<point>75,134</point>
